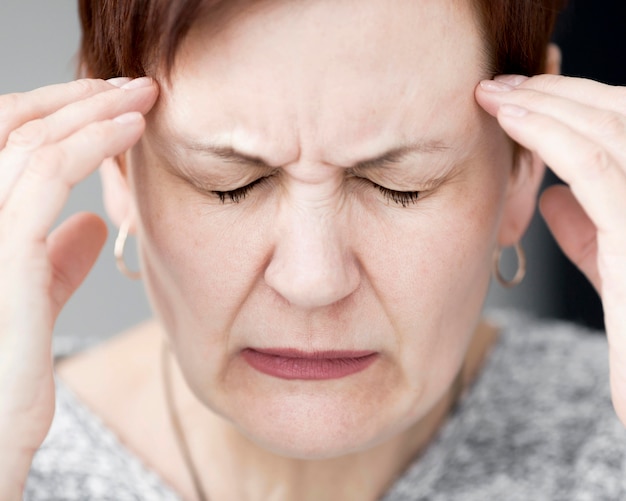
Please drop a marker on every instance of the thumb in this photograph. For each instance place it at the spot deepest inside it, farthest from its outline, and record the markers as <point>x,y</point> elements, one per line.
<point>573,230</point>
<point>73,249</point>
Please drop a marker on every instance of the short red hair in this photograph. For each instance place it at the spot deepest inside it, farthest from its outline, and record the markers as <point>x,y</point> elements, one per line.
<point>126,38</point>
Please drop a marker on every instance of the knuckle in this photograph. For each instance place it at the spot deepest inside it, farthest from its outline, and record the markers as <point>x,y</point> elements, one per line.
<point>610,125</point>
<point>46,164</point>
<point>30,135</point>
<point>597,161</point>
<point>97,134</point>
<point>9,104</point>
<point>107,98</point>
<point>620,100</point>
<point>544,82</point>
<point>86,86</point>
<point>80,87</point>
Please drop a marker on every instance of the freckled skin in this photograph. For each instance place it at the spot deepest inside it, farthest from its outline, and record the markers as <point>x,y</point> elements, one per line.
<point>314,259</point>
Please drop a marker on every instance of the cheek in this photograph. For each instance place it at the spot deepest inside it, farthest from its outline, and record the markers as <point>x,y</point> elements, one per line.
<point>199,263</point>
<point>433,272</point>
<point>436,250</point>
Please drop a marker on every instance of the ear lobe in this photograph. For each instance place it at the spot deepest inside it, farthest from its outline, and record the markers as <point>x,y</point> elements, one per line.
<point>553,60</point>
<point>521,199</point>
<point>116,192</point>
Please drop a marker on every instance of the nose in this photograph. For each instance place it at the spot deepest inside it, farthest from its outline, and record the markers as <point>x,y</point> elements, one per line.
<point>312,265</point>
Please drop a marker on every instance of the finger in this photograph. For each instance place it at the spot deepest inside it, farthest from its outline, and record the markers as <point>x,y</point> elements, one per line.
<point>28,312</point>
<point>573,230</point>
<point>595,178</point>
<point>605,126</point>
<point>613,301</point>
<point>41,192</point>
<point>617,365</point>
<point>73,249</point>
<point>582,90</point>
<point>138,95</point>
<point>19,108</point>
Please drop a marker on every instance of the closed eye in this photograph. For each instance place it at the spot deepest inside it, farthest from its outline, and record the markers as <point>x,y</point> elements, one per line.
<point>404,198</point>
<point>239,194</point>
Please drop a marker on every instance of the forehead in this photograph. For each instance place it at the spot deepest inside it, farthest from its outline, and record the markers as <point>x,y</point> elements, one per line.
<point>327,76</point>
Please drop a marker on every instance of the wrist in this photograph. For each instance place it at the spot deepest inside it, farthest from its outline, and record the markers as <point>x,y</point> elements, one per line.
<point>15,466</point>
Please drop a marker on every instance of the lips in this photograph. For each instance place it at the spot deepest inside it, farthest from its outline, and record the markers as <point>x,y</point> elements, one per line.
<point>296,364</point>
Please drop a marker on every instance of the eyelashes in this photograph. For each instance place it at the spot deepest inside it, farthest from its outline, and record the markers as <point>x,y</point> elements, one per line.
<point>239,194</point>
<point>402,198</point>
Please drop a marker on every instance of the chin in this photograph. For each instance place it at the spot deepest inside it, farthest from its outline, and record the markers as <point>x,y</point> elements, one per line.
<point>317,423</point>
<point>311,434</point>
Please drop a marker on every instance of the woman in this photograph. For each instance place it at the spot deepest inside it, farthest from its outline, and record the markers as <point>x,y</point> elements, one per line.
<point>318,190</point>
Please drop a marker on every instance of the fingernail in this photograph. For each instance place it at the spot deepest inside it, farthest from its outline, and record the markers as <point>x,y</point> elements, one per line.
<point>119,81</point>
<point>138,83</point>
<point>128,118</point>
<point>492,86</point>
<point>512,80</point>
<point>511,110</point>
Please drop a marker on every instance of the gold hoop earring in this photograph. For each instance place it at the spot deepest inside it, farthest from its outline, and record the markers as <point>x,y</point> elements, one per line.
<point>118,252</point>
<point>521,267</point>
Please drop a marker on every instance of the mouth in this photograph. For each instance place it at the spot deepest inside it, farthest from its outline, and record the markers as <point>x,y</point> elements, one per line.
<point>295,364</point>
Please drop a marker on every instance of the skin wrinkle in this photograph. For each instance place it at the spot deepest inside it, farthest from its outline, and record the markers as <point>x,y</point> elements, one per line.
<point>208,263</point>
<point>388,165</point>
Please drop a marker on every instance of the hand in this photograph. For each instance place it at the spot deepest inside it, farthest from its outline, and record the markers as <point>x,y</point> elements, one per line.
<point>578,128</point>
<point>50,139</point>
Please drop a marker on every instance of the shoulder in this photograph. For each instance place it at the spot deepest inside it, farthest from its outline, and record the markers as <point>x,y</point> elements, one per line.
<point>553,362</point>
<point>537,424</point>
<point>85,454</point>
<point>82,459</point>
<point>522,330</point>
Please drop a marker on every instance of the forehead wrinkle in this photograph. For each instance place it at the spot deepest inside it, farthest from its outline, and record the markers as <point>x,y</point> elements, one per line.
<point>364,120</point>
<point>392,86</point>
<point>315,126</point>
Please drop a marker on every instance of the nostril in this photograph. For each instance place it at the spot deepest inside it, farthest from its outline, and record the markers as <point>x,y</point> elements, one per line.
<point>312,284</point>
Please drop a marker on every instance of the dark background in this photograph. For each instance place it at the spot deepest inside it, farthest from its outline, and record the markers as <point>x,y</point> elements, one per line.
<point>592,36</point>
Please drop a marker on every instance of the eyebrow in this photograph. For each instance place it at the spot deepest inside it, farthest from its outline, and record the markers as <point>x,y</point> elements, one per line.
<point>400,154</point>
<point>226,153</point>
<point>393,156</point>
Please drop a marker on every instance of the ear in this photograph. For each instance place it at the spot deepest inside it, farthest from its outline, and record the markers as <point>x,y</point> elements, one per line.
<point>116,192</point>
<point>526,177</point>
<point>521,197</point>
<point>553,60</point>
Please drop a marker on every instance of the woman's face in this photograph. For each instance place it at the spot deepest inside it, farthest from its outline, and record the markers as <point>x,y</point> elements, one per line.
<point>324,100</point>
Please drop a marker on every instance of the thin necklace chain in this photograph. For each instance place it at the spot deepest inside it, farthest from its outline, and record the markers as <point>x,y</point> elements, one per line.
<point>178,429</point>
<point>456,389</point>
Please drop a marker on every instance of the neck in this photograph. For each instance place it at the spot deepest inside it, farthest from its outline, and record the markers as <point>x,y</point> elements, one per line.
<point>230,466</point>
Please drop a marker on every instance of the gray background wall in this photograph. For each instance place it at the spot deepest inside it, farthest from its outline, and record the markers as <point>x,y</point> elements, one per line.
<point>38,41</point>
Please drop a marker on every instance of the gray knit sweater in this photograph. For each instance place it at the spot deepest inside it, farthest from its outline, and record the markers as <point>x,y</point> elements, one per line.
<point>536,425</point>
